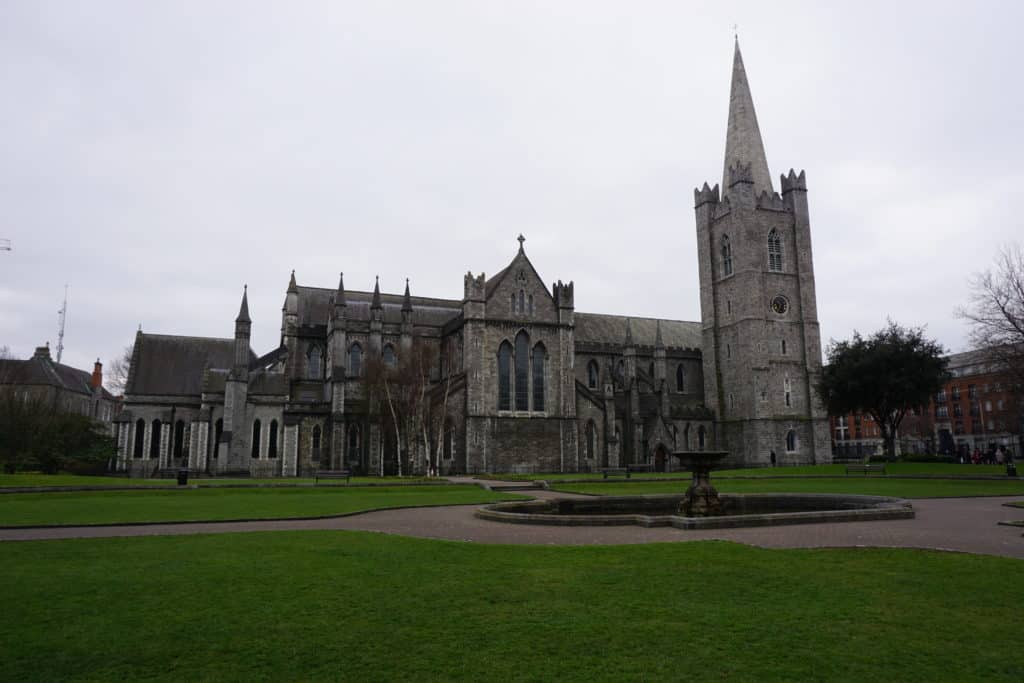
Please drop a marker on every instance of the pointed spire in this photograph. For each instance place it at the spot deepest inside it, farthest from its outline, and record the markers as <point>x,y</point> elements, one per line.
<point>658,343</point>
<point>629,332</point>
<point>292,287</point>
<point>407,300</point>
<point>743,145</point>
<point>339,296</point>
<point>243,312</point>
<point>376,294</point>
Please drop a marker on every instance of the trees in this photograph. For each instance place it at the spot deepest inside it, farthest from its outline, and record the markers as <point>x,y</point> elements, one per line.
<point>995,314</point>
<point>117,371</point>
<point>884,375</point>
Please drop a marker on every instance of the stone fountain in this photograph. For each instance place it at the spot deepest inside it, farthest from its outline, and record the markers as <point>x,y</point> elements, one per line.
<point>701,499</point>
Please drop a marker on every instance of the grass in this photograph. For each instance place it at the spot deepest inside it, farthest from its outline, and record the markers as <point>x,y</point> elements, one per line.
<point>40,480</point>
<point>367,607</point>
<point>109,507</point>
<point>895,468</point>
<point>873,485</point>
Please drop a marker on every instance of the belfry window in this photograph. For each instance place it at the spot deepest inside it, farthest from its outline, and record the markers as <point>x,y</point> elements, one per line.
<point>537,358</point>
<point>774,251</point>
<point>726,256</point>
<point>522,370</point>
<point>592,374</point>
<point>505,376</point>
<point>355,360</point>
<point>313,367</point>
<point>680,378</point>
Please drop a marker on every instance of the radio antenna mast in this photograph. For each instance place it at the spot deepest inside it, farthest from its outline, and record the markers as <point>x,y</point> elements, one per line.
<point>62,316</point>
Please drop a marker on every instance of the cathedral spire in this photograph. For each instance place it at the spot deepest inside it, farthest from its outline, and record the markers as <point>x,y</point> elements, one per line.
<point>407,300</point>
<point>376,294</point>
<point>243,312</point>
<point>339,296</point>
<point>744,149</point>
<point>292,287</point>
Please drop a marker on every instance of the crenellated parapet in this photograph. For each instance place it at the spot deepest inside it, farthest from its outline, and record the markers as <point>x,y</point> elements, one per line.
<point>771,202</point>
<point>793,182</point>
<point>563,294</point>
<point>740,173</point>
<point>705,195</point>
<point>474,287</point>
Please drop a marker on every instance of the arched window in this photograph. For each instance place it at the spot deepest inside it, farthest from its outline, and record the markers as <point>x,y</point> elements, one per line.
<point>522,301</point>
<point>522,371</point>
<point>537,362</point>
<point>272,440</point>
<point>686,437</point>
<point>530,304</point>
<point>256,426</point>
<point>316,443</point>
<point>140,437</point>
<point>218,430</point>
<point>701,438</point>
<point>787,387</point>
<point>389,356</point>
<point>726,256</point>
<point>353,443</point>
<point>650,370</point>
<point>313,367</point>
<point>179,438</point>
<point>512,303</point>
<point>790,441</point>
<point>154,440</point>
<point>680,378</point>
<point>592,374</point>
<point>591,434</point>
<point>505,376</point>
<point>774,251</point>
<point>355,360</point>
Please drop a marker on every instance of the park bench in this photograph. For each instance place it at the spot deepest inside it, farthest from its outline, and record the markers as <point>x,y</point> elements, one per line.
<point>615,472</point>
<point>865,469</point>
<point>332,474</point>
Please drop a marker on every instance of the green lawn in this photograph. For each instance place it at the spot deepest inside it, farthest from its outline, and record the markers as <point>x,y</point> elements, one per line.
<point>36,479</point>
<point>367,607</point>
<point>881,486</point>
<point>895,468</point>
<point>108,507</point>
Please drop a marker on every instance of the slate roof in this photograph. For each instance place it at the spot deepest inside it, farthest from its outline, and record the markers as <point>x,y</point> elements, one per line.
<point>597,328</point>
<point>173,365</point>
<point>40,372</point>
<point>315,307</point>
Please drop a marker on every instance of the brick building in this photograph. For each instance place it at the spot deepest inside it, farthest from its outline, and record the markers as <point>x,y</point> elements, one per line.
<point>524,381</point>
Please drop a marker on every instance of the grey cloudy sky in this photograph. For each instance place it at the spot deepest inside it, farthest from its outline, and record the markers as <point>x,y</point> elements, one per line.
<point>158,155</point>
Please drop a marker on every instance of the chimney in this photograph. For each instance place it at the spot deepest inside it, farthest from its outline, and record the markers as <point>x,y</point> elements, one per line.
<point>97,375</point>
<point>42,352</point>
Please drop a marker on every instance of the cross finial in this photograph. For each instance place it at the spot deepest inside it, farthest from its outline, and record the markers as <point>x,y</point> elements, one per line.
<point>521,240</point>
<point>736,31</point>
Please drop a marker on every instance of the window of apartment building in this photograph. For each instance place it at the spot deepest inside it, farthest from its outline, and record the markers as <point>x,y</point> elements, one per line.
<point>956,392</point>
<point>972,391</point>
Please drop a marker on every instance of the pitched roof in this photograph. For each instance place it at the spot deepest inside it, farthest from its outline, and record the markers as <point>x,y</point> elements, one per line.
<point>173,365</point>
<point>315,307</point>
<point>40,372</point>
<point>597,328</point>
<point>743,142</point>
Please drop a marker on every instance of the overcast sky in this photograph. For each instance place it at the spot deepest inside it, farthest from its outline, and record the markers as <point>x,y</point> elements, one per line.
<point>156,156</point>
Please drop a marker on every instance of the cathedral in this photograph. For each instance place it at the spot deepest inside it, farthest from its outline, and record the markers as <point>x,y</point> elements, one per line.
<point>511,377</point>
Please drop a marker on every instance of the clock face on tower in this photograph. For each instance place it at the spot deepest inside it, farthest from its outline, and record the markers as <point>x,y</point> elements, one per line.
<point>780,305</point>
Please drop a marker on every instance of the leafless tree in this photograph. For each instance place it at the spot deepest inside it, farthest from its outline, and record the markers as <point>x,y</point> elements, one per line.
<point>117,371</point>
<point>995,313</point>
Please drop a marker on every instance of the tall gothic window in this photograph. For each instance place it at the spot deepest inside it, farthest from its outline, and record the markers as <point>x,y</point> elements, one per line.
<point>529,302</point>
<point>218,430</point>
<point>154,440</point>
<point>790,441</point>
<point>179,438</point>
<point>140,437</point>
<point>272,440</point>
<point>522,370</point>
<point>592,374</point>
<point>680,378</point>
<point>355,360</point>
<point>389,356</point>
<point>505,376</point>
<point>522,301</point>
<point>537,361</point>
<point>256,428</point>
<point>787,387</point>
<point>512,305</point>
<point>726,256</point>
<point>316,443</point>
<point>701,437</point>
<point>353,443</point>
<point>591,434</point>
<point>774,251</point>
<point>313,370</point>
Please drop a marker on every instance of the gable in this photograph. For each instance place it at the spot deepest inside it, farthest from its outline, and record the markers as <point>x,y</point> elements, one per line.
<point>517,279</point>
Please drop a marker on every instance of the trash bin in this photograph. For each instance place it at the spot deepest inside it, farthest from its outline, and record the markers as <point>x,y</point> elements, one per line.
<point>1011,469</point>
<point>182,477</point>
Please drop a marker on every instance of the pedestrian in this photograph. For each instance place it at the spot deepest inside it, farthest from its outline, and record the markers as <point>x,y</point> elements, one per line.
<point>772,458</point>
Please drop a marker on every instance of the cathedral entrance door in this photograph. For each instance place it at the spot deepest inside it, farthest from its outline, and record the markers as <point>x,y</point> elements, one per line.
<point>660,457</point>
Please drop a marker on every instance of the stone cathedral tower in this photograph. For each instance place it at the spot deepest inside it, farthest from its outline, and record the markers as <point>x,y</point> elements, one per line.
<point>759,320</point>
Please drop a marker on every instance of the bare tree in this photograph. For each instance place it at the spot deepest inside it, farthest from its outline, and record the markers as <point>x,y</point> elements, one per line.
<point>117,371</point>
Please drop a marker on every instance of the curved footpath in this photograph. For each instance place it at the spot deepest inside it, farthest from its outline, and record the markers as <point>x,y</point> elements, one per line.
<point>957,524</point>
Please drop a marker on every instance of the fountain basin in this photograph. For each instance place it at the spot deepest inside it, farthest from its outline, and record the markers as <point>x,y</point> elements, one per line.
<point>737,510</point>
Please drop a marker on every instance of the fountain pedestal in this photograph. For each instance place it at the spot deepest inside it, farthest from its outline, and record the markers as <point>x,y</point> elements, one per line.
<point>701,499</point>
